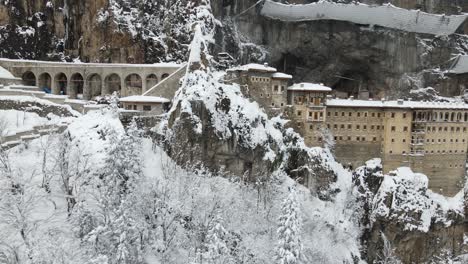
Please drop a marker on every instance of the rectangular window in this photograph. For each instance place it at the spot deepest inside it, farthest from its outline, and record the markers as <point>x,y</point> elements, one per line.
<point>372,127</point>
<point>393,115</point>
<point>350,113</point>
<point>342,126</point>
<point>364,127</point>
<point>147,108</point>
<point>336,113</point>
<point>342,114</point>
<point>299,113</point>
<point>405,128</point>
<point>374,139</point>
<point>358,127</point>
<point>349,126</point>
<point>134,107</point>
<point>393,129</point>
<point>335,126</point>
<point>373,114</point>
<point>276,88</point>
<point>404,115</point>
<point>358,114</point>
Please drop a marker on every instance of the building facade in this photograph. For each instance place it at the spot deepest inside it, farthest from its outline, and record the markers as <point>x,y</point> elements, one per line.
<point>429,137</point>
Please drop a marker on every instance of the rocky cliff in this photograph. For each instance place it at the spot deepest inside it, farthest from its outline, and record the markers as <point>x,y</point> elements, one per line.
<point>96,30</point>
<point>346,56</point>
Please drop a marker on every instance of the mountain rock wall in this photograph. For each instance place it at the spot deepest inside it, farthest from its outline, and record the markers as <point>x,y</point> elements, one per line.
<point>345,56</point>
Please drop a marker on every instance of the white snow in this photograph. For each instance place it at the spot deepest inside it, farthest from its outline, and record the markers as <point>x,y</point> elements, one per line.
<point>5,74</point>
<point>311,87</point>
<point>280,75</point>
<point>412,203</point>
<point>386,16</point>
<point>14,121</point>
<point>461,65</point>
<point>144,99</point>
<point>396,104</point>
<point>254,67</point>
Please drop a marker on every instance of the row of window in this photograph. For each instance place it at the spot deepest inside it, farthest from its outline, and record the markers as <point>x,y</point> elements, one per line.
<point>278,89</point>
<point>361,114</point>
<point>429,152</point>
<point>349,138</point>
<point>358,127</point>
<point>445,129</point>
<point>135,107</point>
<point>260,79</point>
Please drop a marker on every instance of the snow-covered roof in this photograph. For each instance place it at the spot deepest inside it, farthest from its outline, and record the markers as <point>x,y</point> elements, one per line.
<point>396,104</point>
<point>144,99</point>
<point>254,67</point>
<point>461,65</point>
<point>312,87</point>
<point>5,74</point>
<point>386,16</point>
<point>280,75</point>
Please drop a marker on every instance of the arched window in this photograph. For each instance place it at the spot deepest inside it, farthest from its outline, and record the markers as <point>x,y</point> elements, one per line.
<point>113,84</point>
<point>45,82</point>
<point>61,83</point>
<point>94,86</point>
<point>76,86</point>
<point>29,78</point>
<point>151,80</point>
<point>133,84</point>
<point>164,76</point>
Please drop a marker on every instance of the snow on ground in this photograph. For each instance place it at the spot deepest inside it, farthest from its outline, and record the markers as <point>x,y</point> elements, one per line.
<point>13,121</point>
<point>385,16</point>
<point>250,212</point>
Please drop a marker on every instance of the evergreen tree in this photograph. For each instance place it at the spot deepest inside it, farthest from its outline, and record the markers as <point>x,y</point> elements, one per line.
<point>289,249</point>
<point>217,250</point>
<point>117,237</point>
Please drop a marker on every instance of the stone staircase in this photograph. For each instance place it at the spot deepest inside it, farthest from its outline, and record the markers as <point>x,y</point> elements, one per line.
<point>14,140</point>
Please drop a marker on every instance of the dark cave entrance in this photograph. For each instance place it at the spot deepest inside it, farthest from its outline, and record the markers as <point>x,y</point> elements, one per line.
<point>356,84</point>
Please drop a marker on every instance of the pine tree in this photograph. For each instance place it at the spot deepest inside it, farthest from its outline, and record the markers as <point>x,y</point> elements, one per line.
<point>289,249</point>
<point>217,250</point>
<point>117,236</point>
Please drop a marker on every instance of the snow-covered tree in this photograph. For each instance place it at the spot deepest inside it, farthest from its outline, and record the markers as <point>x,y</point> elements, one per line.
<point>289,249</point>
<point>118,234</point>
<point>217,250</point>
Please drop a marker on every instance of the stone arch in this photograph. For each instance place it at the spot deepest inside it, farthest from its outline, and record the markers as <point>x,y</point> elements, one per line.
<point>459,116</point>
<point>113,84</point>
<point>441,116</point>
<point>61,83</point>
<point>466,117</point>
<point>133,84</point>
<point>45,81</point>
<point>76,86</point>
<point>29,78</point>
<point>447,117</point>
<point>94,86</point>
<point>452,117</point>
<point>164,76</point>
<point>151,80</point>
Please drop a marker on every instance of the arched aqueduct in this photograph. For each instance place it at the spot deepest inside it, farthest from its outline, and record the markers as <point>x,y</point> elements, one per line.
<point>88,80</point>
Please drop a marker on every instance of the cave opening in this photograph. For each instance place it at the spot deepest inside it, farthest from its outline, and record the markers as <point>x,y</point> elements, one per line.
<point>356,84</point>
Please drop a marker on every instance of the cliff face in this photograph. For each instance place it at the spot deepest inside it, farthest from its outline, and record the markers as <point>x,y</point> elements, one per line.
<point>96,30</point>
<point>343,55</point>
